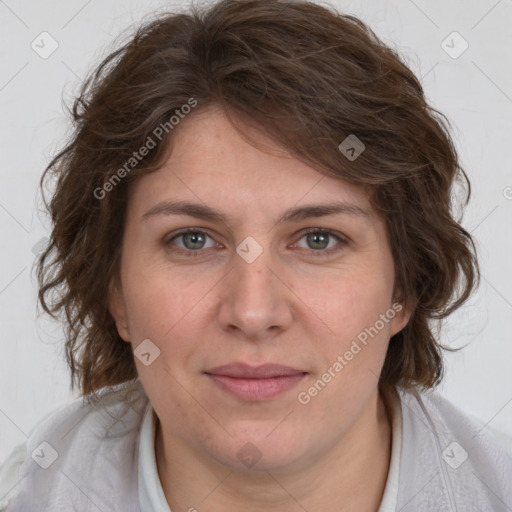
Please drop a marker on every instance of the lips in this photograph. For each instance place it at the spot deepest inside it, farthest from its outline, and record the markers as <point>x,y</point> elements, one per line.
<point>244,371</point>
<point>250,384</point>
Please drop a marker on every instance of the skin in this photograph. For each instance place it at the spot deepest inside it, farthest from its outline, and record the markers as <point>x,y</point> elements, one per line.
<point>286,307</point>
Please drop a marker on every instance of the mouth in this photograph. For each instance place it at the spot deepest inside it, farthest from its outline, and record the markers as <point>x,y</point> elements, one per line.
<point>255,383</point>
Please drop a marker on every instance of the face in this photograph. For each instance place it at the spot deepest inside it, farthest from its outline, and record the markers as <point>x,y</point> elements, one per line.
<point>309,292</point>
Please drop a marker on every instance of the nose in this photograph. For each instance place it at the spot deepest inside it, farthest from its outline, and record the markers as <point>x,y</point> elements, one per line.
<point>256,302</point>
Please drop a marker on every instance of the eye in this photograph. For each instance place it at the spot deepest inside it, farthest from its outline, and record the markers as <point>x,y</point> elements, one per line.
<point>192,239</point>
<point>319,240</point>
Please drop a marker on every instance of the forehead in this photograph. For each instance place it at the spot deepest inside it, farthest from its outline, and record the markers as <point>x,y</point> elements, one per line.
<point>212,163</point>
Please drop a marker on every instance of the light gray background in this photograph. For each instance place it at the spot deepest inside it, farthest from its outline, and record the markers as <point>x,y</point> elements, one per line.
<point>474,90</point>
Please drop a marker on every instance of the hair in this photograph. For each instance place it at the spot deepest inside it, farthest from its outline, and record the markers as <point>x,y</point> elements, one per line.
<point>308,77</point>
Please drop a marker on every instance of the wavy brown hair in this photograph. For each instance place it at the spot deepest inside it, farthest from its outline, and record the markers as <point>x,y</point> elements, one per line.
<point>308,77</point>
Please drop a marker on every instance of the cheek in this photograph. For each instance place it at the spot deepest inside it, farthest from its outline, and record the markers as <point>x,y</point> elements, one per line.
<point>348,303</point>
<point>160,298</point>
<point>168,308</point>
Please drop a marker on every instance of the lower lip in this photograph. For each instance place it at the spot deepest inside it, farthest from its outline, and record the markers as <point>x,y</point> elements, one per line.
<point>257,389</point>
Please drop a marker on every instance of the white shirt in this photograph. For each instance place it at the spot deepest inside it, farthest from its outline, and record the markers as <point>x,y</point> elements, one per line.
<point>151,494</point>
<point>102,457</point>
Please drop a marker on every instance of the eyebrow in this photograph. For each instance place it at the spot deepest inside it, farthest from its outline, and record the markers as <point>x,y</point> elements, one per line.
<point>297,214</point>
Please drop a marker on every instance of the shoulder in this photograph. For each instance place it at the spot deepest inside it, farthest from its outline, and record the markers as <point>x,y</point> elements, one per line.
<point>457,459</point>
<point>72,447</point>
<point>452,419</point>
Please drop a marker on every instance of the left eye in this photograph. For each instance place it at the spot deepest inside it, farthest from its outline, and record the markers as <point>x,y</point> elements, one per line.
<point>194,239</point>
<point>320,239</point>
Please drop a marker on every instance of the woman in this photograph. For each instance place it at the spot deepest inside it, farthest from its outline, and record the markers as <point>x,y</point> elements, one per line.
<point>252,234</point>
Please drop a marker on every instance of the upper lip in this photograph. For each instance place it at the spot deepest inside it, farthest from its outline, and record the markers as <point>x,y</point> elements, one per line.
<point>242,370</point>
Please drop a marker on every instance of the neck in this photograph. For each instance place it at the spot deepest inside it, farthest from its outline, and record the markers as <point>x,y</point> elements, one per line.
<point>350,476</point>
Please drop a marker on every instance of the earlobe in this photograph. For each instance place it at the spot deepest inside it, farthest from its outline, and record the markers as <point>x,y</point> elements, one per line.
<point>117,309</point>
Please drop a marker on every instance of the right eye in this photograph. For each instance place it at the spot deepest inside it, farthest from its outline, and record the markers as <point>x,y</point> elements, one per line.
<point>192,239</point>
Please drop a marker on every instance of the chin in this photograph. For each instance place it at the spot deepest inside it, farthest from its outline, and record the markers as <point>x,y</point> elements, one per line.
<point>260,451</point>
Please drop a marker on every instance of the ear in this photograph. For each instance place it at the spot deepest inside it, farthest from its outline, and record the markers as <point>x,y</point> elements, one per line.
<point>117,309</point>
<point>401,318</point>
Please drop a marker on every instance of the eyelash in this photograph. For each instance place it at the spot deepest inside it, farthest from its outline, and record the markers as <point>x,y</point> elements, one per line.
<point>315,253</point>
